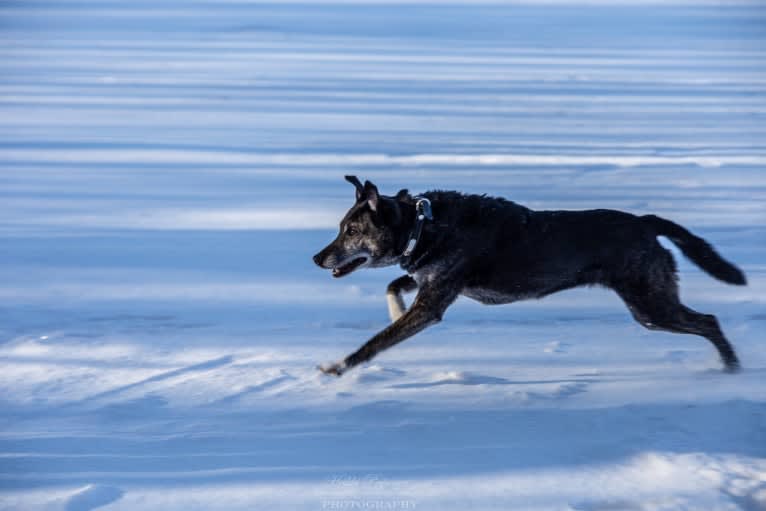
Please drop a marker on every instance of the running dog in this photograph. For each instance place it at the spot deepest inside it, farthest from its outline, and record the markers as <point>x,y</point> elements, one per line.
<point>496,251</point>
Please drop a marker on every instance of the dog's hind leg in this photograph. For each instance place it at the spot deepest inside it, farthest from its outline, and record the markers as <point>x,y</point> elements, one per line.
<point>396,307</point>
<point>707,326</point>
<point>657,307</point>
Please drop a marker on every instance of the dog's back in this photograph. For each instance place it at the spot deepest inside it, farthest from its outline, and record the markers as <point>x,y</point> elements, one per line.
<point>523,253</point>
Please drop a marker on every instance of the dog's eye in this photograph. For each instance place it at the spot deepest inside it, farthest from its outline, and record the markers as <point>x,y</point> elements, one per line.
<point>351,231</point>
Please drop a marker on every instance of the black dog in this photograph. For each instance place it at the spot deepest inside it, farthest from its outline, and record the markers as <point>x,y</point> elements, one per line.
<point>496,251</point>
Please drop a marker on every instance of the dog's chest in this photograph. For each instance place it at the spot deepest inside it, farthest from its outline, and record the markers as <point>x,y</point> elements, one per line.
<point>491,296</point>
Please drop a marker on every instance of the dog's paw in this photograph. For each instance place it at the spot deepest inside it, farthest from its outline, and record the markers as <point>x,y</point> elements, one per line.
<point>334,368</point>
<point>732,367</point>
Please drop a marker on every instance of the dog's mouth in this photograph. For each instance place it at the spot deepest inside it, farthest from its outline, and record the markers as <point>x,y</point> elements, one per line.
<point>347,267</point>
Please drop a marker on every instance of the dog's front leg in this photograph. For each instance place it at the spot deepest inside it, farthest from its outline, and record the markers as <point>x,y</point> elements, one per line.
<point>403,284</point>
<point>427,309</point>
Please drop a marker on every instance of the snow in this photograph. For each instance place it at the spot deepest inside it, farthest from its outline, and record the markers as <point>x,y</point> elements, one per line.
<point>167,172</point>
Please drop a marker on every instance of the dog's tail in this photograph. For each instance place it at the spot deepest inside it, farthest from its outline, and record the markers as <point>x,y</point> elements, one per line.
<point>699,251</point>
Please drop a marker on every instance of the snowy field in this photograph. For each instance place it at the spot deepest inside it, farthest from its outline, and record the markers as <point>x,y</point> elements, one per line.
<point>167,170</point>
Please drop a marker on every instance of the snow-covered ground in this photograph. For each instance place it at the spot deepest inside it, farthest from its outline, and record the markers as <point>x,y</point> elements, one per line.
<point>168,169</point>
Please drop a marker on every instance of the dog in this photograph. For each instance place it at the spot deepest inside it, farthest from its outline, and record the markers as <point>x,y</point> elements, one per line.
<point>496,251</point>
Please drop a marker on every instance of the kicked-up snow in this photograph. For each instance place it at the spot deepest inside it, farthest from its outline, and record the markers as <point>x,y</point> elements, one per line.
<point>167,170</point>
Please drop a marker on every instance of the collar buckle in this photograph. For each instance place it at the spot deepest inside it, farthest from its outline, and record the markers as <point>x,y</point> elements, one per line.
<point>422,213</point>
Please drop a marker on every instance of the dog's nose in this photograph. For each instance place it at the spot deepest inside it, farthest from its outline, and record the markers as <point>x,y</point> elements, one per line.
<point>318,259</point>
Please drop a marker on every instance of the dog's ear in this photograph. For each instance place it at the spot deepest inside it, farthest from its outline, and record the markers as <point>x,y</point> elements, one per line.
<point>359,188</point>
<point>370,194</point>
<point>403,194</point>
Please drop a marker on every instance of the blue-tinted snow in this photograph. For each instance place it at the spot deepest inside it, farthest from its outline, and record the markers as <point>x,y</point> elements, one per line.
<point>167,170</point>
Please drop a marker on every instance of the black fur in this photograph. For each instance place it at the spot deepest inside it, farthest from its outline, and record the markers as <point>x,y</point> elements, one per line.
<point>697,250</point>
<point>496,251</point>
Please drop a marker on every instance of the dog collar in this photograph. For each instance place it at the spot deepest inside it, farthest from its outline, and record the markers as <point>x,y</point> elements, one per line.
<point>422,213</point>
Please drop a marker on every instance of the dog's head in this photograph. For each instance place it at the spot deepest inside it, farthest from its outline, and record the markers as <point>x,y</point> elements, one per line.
<point>370,233</point>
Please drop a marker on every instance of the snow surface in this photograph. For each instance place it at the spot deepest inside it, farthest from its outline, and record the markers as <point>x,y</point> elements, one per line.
<point>168,169</point>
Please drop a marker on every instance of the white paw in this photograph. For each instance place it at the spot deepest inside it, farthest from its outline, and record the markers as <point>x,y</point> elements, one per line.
<point>396,306</point>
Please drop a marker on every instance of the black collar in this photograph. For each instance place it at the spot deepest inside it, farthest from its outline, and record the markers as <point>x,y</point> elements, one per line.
<point>422,214</point>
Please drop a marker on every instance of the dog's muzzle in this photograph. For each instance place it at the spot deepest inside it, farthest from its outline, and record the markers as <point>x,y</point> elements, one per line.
<point>348,265</point>
<point>345,266</point>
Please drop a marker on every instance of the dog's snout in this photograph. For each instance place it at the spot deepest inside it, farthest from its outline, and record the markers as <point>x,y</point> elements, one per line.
<point>318,259</point>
